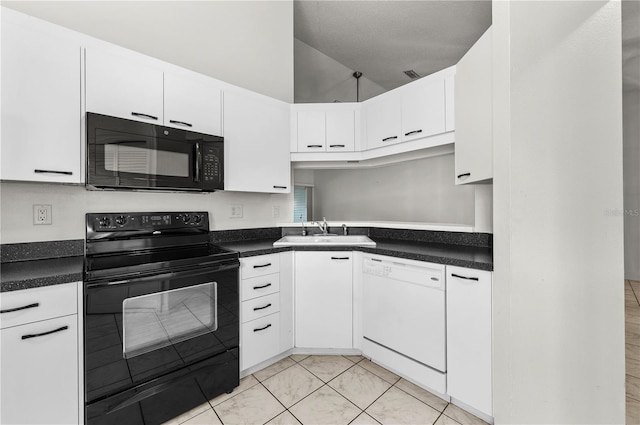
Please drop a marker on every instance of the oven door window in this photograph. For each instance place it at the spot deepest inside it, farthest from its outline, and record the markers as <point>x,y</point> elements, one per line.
<point>159,320</point>
<point>134,160</point>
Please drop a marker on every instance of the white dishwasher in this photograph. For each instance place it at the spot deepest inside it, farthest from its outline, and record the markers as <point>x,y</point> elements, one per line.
<point>404,308</point>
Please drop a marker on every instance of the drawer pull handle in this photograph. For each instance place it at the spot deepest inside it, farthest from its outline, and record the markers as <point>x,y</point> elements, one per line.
<point>314,146</point>
<point>261,329</point>
<point>339,258</point>
<point>141,115</point>
<point>336,146</point>
<point>386,139</point>
<point>464,175</point>
<point>66,173</point>
<point>11,310</point>
<point>262,286</point>
<point>464,277</point>
<point>186,124</point>
<point>279,187</point>
<point>262,308</point>
<point>413,132</point>
<point>64,328</point>
<point>259,266</point>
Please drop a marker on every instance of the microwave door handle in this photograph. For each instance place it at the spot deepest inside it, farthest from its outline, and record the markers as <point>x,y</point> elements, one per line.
<point>198,160</point>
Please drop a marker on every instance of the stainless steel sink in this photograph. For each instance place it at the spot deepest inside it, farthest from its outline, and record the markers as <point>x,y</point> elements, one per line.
<point>329,240</point>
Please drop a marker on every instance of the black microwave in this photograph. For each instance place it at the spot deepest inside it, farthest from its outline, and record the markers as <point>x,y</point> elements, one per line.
<point>126,154</point>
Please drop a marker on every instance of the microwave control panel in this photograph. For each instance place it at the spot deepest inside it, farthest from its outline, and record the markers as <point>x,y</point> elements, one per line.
<point>212,172</point>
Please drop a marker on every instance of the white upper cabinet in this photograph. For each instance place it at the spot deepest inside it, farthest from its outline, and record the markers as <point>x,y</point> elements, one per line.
<point>383,117</point>
<point>324,127</point>
<point>311,131</point>
<point>449,100</point>
<point>132,86</point>
<point>41,115</point>
<point>341,129</point>
<point>124,86</point>
<point>423,109</point>
<point>256,143</point>
<point>192,103</point>
<point>411,118</point>
<point>473,107</point>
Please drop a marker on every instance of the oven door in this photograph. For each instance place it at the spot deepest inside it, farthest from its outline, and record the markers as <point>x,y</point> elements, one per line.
<point>148,334</point>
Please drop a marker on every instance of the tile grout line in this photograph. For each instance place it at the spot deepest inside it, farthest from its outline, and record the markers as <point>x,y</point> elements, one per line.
<point>424,402</point>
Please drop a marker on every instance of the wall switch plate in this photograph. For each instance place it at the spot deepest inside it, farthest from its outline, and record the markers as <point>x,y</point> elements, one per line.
<point>42,214</point>
<point>275,211</point>
<point>236,211</point>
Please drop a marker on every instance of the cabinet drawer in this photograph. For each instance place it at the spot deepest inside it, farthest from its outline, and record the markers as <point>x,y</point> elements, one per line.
<point>39,364</point>
<point>259,266</point>
<point>260,340</point>
<point>259,307</point>
<point>259,286</point>
<point>32,305</point>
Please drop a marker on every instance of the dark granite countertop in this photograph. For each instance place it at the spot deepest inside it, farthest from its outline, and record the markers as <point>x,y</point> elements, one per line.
<point>41,272</point>
<point>23,267</point>
<point>455,255</point>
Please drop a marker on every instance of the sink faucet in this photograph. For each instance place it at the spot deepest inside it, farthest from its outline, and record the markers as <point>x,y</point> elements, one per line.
<point>323,226</point>
<point>344,229</point>
<point>304,228</point>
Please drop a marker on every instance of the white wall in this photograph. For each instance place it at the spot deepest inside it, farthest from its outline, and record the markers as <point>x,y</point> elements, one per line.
<point>632,184</point>
<point>558,301</point>
<point>415,191</point>
<point>70,203</point>
<point>319,78</point>
<point>245,43</point>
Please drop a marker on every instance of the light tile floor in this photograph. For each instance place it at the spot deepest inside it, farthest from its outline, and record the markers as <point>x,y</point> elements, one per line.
<point>303,389</point>
<point>632,349</point>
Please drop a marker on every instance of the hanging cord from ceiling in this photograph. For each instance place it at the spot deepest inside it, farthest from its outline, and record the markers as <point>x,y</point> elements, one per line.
<point>357,76</point>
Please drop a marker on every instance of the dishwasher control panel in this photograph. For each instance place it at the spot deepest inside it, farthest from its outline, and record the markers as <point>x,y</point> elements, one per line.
<point>410,271</point>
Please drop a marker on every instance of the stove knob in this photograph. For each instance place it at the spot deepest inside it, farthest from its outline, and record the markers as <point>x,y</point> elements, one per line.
<point>197,219</point>
<point>121,220</point>
<point>104,221</point>
<point>186,218</point>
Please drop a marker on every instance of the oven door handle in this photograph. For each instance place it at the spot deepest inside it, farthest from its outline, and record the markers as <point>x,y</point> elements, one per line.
<point>170,275</point>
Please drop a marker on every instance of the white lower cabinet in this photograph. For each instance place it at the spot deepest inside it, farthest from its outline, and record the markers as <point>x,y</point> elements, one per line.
<point>469,337</point>
<point>39,356</point>
<point>266,310</point>
<point>324,299</point>
<point>260,340</point>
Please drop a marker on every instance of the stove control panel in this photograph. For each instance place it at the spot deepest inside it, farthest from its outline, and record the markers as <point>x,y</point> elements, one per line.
<point>147,221</point>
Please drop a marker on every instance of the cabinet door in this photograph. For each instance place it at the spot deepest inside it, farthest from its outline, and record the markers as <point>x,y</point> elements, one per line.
<point>340,125</point>
<point>124,87</point>
<point>473,109</point>
<point>423,109</point>
<point>40,373</point>
<point>323,299</point>
<point>256,143</point>
<point>192,104</point>
<point>311,131</point>
<point>41,138</point>
<point>383,120</point>
<point>469,337</point>
<point>260,340</point>
<point>449,103</point>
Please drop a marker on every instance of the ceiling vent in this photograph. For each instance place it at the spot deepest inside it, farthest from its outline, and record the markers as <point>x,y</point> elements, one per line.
<point>412,74</point>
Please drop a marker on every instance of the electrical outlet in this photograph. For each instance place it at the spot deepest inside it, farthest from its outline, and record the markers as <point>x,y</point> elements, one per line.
<point>236,211</point>
<point>42,214</point>
<point>275,211</point>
